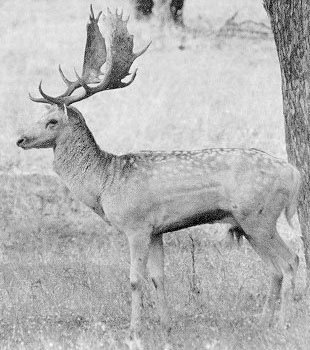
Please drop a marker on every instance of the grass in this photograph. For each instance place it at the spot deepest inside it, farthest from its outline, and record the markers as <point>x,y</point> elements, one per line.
<point>64,281</point>
<point>64,285</point>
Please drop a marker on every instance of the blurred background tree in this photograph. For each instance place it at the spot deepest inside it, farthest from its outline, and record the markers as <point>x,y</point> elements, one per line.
<point>166,10</point>
<point>143,8</point>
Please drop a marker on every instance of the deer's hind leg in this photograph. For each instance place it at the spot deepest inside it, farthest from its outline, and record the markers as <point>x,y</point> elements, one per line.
<point>282,264</point>
<point>288,262</point>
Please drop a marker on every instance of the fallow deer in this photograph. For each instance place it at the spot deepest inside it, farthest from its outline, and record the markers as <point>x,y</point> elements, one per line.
<point>147,194</point>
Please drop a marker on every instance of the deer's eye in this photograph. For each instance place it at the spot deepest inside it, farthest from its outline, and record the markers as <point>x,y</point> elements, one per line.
<point>51,123</point>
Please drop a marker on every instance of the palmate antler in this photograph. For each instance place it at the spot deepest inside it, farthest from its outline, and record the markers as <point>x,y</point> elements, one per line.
<point>115,49</point>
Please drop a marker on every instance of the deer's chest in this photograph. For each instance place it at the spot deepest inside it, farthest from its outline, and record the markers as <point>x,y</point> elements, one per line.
<point>85,191</point>
<point>90,198</point>
<point>84,195</point>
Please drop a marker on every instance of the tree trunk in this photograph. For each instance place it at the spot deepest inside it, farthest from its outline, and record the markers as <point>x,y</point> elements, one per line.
<point>290,22</point>
<point>162,11</point>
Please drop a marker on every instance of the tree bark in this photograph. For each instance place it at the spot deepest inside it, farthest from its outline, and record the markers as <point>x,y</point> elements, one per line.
<point>290,22</point>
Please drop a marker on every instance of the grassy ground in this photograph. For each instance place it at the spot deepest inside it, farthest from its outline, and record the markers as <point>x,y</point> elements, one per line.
<point>64,276</point>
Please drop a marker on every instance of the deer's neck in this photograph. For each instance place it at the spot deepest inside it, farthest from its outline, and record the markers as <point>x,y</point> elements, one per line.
<point>84,167</point>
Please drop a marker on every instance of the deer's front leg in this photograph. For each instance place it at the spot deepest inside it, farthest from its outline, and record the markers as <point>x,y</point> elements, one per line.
<point>139,243</point>
<point>156,268</point>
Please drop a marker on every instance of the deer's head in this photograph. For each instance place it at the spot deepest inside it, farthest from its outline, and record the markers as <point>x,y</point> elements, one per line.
<point>44,133</point>
<point>115,51</point>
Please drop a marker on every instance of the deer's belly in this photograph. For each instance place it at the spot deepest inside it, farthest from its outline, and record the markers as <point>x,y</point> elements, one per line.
<point>208,217</point>
<point>191,209</point>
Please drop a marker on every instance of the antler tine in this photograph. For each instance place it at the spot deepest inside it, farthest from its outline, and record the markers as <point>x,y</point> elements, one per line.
<point>49,99</point>
<point>45,98</point>
<point>127,19</point>
<point>64,78</point>
<point>141,52</point>
<point>121,14</point>
<point>98,16</point>
<point>38,99</point>
<point>82,82</point>
<point>71,85</point>
<point>92,16</point>
<point>132,78</point>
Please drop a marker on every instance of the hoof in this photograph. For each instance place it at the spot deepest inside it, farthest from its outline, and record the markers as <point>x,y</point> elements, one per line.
<point>134,342</point>
<point>266,320</point>
<point>168,346</point>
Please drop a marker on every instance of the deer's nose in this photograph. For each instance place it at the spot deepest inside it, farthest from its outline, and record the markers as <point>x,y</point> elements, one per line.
<point>20,141</point>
